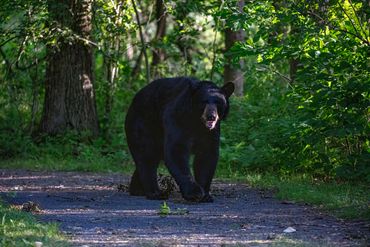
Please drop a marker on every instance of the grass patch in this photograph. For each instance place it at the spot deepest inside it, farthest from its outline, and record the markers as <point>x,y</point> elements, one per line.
<point>345,200</point>
<point>18,228</point>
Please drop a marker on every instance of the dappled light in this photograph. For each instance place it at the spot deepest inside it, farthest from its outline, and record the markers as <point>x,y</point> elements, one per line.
<point>227,122</point>
<point>96,214</point>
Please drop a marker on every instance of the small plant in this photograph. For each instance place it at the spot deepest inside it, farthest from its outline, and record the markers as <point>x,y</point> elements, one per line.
<point>164,210</point>
<point>181,211</point>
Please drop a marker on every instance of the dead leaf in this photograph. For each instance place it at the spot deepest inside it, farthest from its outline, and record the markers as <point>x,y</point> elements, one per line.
<point>31,207</point>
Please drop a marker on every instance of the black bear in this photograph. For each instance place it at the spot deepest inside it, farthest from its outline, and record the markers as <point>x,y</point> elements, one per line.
<point>168,120</point>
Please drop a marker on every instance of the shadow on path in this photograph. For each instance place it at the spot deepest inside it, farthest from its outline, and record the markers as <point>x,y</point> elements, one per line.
<point>92,212</point>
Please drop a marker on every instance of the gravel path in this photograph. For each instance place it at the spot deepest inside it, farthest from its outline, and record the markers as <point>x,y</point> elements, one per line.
<point>93,212</point>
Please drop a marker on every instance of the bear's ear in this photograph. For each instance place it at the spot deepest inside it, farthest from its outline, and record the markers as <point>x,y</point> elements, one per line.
<point>228,89</point>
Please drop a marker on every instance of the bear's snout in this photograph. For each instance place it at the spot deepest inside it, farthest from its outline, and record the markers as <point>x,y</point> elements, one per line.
<point>210,116</point>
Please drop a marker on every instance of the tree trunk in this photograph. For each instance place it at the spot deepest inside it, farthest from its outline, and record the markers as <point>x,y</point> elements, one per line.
<point>158,53</point>
<point>233,72</point>
<point>69,92</point>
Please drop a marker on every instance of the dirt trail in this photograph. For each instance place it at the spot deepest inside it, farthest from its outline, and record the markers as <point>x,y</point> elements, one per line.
<point>92,212</point>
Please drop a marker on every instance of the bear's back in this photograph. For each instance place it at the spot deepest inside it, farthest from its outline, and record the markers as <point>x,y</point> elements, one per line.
<point>162,91</point>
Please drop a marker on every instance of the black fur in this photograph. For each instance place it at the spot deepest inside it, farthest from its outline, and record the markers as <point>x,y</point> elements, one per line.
<point>167,120</point>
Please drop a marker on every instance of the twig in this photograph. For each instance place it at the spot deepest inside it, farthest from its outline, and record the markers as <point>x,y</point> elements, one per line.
<point>353,25</point>
<point>337,28</point>
<point>353,34</point>
<point>358,19</point>
<point>20,51</point>
<point>8,40</point>
<point>283,76</point>
<point>279,74</point>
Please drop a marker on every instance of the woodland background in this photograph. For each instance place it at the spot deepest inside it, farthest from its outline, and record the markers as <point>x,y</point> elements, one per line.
<point>69,69</point>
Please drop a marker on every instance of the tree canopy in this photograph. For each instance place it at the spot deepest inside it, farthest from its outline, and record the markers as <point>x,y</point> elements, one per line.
<point>303,70</point>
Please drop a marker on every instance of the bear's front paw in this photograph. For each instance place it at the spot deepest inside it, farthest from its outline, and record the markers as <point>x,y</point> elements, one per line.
<point>193,193</point>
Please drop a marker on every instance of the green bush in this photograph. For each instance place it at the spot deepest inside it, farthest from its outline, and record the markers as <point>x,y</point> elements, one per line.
<point>320,124</point>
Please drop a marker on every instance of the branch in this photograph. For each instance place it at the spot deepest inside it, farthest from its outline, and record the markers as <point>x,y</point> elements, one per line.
<point>279,74</point>
<point>10,64</point>
<point>20,52</point>
<point>34,63</point>
<point>214,43</point>
<point>282,76</point>
<point>358,34</point>
<point>353,34</point>
<point>337,28</point>
<point>142,42</point>
<point>8,40</point>
<point>358,19</point>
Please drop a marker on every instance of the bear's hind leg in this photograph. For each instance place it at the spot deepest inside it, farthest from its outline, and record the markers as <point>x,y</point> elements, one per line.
<point>136,188</point>
<point>146,149</point>
<point>152,192</point>
<point>146,173</point>
<point>148,176</point>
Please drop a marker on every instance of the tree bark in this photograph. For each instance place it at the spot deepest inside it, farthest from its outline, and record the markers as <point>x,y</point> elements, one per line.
<point>233,72</point>
<point>69,93</point>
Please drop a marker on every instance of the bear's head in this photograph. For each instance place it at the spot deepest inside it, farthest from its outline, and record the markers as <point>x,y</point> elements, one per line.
<point>211,103</point>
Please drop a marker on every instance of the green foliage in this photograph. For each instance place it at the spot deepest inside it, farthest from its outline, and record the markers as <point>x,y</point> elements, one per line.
<point>71,151</point>
<point>321,124</point>
<point>22,229</point>
<point>255,138</point>
<point>311,119</point>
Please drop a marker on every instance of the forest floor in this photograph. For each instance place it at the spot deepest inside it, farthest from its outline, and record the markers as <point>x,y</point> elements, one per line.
<point>92,211</point>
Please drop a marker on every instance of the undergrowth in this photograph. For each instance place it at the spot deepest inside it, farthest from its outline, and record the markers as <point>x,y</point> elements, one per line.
<point>22,229</point>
